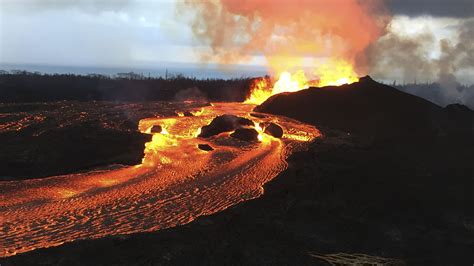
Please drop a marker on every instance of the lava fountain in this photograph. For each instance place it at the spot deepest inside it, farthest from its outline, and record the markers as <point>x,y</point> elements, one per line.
<point>336,73</point>
<point>303,43</point>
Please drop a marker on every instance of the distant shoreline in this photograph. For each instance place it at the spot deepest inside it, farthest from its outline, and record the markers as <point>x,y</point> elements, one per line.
<point>187,70</point>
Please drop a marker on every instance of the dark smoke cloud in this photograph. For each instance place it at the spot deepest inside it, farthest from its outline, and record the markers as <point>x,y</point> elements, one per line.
<point>435,8</point>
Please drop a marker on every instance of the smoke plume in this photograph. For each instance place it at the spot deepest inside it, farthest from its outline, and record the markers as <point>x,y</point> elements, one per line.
<point>410,57</point>
<point>287,33</point>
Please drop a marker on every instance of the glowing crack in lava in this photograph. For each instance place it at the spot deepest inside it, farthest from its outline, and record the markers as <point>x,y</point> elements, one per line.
<point>335,72</point>
<point>176,183</point>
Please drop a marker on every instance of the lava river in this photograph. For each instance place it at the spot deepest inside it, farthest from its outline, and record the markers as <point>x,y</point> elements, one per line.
<point>176,183</point>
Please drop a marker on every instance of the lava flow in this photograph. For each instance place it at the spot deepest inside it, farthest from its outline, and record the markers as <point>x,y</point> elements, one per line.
<point>176,183</point>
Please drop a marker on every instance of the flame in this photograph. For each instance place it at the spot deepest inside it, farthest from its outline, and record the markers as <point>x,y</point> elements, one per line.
<point>260,90</point>
<point>290,82</point>
<point>290,36</point>
<point>335,72</point>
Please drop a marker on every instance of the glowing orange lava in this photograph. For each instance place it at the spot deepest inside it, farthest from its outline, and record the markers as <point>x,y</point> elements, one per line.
<point>175,183</point>
<point>335,72</point>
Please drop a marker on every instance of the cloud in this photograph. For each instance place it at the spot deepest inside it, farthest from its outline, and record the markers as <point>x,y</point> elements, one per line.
<point>91,6</point>
<point>409,57</point>
<point>435,8</point>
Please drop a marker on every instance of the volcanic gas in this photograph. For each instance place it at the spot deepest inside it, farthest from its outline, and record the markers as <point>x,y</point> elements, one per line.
<point>303,42</point>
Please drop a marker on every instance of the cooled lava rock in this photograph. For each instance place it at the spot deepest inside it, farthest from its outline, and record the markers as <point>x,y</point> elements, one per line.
<point>258,115</point>
<point>61,150</point>
<point>245,133</point>
<point>224,123</point>
<point>461,118</point>
<point>273,129</point>
<point>187,113</point>
<point>366,108</point>
<point>129,125</point>
<point>156,129</point>
<point>205,147</point>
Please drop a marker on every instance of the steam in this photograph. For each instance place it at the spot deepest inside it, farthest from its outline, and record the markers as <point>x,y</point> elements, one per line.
<point>459,55</point>
<point>292,35</point>
<point>411,57</point>
<point>287,33</point>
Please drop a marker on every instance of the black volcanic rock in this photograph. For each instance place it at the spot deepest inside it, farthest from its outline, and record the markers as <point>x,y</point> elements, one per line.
<point>410,204</point>
<point>410,201</point>
<point>366,108</point>
<point>129,125</point>
<point>247,134</point>
<point>188,113</point>
<point>224,123</point>
<point>68,149</point>
<point>461,113</point>
<point>273,129</point>
<point>156,129</point>
<point>258,115</point>
<point>460,120</point>
<point>205,147</point>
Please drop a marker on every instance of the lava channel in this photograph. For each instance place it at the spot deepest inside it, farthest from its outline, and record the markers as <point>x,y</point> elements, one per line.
<point>176,183</point>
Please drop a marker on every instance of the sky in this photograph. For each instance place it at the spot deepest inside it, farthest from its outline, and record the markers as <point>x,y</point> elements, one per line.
<point>152,33</point>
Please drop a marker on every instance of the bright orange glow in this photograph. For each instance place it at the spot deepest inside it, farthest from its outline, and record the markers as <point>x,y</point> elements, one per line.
<point>175,183</point>
<point>259,130</point>
<point>290,82</point>
<point>197,132</point>
<point>291,36</point>
<point>335,72</point>
<point>197,112</point>
<point>260,90</point>
<point>164,131</point>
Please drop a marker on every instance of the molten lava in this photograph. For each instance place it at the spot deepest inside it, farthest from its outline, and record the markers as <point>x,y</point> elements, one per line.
<point>176,182</point>
<point>334,73</point>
